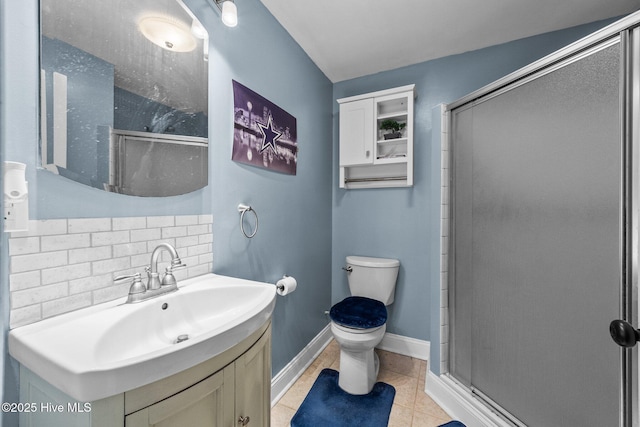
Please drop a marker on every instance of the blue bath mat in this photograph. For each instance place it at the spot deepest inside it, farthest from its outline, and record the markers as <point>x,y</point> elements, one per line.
<point>328,405</point>
<point>453,424</point>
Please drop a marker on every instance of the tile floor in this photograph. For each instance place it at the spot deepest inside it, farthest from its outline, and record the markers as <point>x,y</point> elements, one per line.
<point>411,406</point>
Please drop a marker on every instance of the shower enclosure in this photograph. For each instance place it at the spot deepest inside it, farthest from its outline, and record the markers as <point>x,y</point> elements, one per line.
<point>544,236</point>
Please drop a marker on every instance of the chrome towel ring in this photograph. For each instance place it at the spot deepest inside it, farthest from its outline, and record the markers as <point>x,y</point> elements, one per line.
<point>243,209</point>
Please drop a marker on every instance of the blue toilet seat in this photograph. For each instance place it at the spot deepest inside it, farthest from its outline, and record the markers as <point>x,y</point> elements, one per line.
<point>359,313</point>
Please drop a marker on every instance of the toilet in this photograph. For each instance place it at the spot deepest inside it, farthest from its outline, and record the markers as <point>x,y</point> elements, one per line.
<point>358,322</point>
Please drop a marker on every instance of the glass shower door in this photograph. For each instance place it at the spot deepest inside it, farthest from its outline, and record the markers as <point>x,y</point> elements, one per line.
<point>538,243</point>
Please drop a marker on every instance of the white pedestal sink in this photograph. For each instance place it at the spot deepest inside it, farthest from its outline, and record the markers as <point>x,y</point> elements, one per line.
<point>113,347</point>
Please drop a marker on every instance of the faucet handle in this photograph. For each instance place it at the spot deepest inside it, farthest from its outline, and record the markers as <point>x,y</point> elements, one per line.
<point>137,287</point>
<point>176,264</point>
<point>128,278</point>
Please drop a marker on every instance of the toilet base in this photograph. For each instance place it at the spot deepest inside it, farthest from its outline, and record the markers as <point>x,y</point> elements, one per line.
<point>358,371</point>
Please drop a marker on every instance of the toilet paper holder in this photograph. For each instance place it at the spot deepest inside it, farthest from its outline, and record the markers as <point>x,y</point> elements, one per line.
<point>286,285</point>
<point>280,286</point>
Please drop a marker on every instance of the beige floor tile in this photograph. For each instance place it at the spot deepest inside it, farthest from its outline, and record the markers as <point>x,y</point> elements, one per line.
<point>411,406</point>
<point>405,387</point>
<point>426,420</point>
<point>427,405</point>
<point>281,415</point>
<point>404,365</point>
<point>400,416</point>
<point>295,395</point>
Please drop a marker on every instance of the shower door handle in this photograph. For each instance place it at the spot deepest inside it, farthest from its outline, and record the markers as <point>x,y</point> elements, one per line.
<point>624,334</point>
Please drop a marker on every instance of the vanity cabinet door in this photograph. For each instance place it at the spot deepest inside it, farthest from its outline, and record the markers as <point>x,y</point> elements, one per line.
<point>208,403</point>
<point>253,384</point>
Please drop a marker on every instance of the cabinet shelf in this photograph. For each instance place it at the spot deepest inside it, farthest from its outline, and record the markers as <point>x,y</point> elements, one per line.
<point>400,116</point>
<point>394,141</point>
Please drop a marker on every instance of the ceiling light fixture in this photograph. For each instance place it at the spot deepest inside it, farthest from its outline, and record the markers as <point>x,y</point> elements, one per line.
<point>228,12</point>
<point>168,33</point>
<point>198,30</point>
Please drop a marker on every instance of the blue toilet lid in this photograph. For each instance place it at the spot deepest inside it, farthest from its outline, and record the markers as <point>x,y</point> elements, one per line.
<point>359,313</point>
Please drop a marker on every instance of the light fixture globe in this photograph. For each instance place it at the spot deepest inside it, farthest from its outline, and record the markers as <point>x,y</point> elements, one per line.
<point>229,13</point>
<point>168,33</point>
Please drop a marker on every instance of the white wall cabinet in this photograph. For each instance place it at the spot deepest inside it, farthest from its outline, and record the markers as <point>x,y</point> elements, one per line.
<point>229,390</point>
<point>368,159</point>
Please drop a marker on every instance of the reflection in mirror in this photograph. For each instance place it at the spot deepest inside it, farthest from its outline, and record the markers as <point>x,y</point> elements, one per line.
<point>124,95</point>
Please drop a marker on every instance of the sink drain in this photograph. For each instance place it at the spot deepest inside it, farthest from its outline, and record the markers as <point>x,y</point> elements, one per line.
<point>181,338</point>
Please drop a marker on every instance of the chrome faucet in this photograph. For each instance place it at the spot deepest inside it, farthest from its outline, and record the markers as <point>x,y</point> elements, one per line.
<point>155,286</point>
<point>152,270</point>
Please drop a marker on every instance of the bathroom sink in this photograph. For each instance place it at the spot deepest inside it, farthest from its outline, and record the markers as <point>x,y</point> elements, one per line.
<point>113,347</point>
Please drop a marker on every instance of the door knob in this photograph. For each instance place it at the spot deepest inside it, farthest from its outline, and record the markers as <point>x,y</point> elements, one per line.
<point>623,333</point>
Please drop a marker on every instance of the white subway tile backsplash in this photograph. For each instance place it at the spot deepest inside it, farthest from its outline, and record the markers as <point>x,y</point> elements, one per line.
<point>64,265</point>
<point>90,254</point>
<point>160,221</point>
<point>47,227</point>
<point>199,270</point>
<point>89,225</point>
<point>133,223</point>
<point>65,241</point>
<point>109,238</point>
<point>65,272</point>
<point>205,219</point>
<point>183,242</point>
<point>205,238</point>
<point>145,235</point>
<point>172,232</point>
<point>24,245</point>
<point>110,293</point>
<point>39,294</point>
<point>67,304</point>
<point>25,315</point>
<point>197,229</point>
<point>199,249</point>
<point>187,220</point>
<point>92,283</point>
<point>125,249</point>
<point>109,265</point>
<point>20,281</point>
<point>21,263</point>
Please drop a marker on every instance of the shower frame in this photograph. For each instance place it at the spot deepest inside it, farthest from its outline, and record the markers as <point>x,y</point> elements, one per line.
<point>627,32</point>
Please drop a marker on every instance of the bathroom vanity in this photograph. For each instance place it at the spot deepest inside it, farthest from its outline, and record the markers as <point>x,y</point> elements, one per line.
<point>231,389</point>
<point>199,356</point>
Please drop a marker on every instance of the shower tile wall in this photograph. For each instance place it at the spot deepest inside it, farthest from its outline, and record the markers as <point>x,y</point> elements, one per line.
<point>444,228</point>
<point>63,265</point>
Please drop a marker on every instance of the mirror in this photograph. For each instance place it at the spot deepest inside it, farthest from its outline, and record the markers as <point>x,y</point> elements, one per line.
<point>124,95</point>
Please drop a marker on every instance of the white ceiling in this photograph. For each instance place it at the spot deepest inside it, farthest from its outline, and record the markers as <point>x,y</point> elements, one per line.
<point>353,38</point>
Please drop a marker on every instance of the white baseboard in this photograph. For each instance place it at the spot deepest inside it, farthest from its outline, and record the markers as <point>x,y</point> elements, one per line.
<point>284,379</point>
<point>406,346</point>
<point>460,404</point>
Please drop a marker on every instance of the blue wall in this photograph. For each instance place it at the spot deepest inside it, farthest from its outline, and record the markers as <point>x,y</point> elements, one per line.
<point>403,223</point>
<point>295,211</point>
<point>294,236</point>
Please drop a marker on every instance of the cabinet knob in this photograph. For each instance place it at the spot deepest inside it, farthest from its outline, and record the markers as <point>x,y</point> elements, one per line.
<point>243,421</point>
<point>367,153</point>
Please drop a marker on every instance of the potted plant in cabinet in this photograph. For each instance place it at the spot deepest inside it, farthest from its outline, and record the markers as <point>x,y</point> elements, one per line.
<point>394,126</point>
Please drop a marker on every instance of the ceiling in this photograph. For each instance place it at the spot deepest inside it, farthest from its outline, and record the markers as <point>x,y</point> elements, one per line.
<point>353,38</point>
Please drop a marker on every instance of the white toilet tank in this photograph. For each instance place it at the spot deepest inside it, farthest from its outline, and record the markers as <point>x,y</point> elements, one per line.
<point>373,277</point>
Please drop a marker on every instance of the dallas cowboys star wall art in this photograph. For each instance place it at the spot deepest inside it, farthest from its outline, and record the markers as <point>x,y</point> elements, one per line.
<point>264,135</point>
